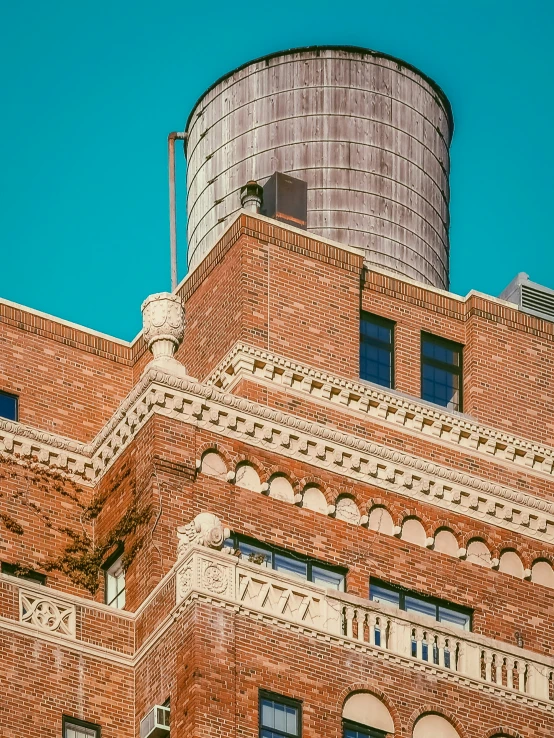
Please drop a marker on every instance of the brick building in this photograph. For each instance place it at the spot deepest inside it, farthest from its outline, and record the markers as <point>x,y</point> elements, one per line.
<point>312,498</point>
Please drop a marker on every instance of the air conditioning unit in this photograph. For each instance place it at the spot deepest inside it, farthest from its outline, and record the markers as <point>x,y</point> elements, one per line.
<point>531,297</point>
<point>155,724</point>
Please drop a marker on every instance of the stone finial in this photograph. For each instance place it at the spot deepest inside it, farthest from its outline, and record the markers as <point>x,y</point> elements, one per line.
<point>251,196</point>
<point>205,530</point>
<point>163,320</point>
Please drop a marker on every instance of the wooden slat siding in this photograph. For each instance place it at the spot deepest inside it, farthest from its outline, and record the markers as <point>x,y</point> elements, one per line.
<point>52,330</point>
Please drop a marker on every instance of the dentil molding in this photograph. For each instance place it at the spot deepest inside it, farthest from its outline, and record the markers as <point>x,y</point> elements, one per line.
<point>381,404</point>
<point>227,415</point>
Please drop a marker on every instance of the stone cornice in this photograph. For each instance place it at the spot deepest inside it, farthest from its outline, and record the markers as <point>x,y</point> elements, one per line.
<point>228,415</point>
<point>382,405</point>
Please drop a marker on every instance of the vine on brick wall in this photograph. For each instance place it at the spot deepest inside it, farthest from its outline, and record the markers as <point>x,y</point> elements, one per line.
<point>82,557</point>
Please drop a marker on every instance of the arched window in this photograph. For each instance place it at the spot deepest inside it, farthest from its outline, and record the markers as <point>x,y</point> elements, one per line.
<point>413,532</point>
<point>365,715</point>
<point>247,477</point>
<point>213,465</point>
<point>434,726</point>
<point>446,543</point>
<point>510,563</point>
<point>314,499</point>
<point>478,553</point>
<point>381,521</point>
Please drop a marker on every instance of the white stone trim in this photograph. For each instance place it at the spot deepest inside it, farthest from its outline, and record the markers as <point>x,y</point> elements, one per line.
<point>383,406</point>
<point>230,416</point>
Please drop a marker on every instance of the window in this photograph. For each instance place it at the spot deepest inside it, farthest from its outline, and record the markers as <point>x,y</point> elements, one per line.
<point>15,570</point>
<point>8,406</point>
<point>74,728</point>
<point>355,730</point>
<point>287,562</point>
<point>404,599</point>
<point>279,717</point>
<point>376,349</point>
<point>441,372</point>
<point>114,587</point>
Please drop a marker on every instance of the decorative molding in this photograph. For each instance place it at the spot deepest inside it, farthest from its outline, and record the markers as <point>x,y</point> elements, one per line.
<point>47,613</point>
<point>163,319</point>
<point>224,414</point>
<point>382,405</point>
<point>357,624</point>
<point>205,530</point>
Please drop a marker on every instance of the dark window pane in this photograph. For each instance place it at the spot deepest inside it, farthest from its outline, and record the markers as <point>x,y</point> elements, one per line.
<point>248,550</point>
<point>376,339</point>
<point>382,594</point>
<point>288,565</point>
<point>459,619</point>
<point>326,578</point>
<point>8,406</point>
<point>422,607</point>
<point>440,373</point>
<point>278,719</point>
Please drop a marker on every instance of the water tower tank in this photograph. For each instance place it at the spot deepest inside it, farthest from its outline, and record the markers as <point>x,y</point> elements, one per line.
<point>369,133</point>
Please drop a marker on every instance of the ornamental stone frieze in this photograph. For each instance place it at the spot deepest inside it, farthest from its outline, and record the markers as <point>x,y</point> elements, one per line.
<point>47,613</point>
<point>223,414</point>
<point>372,628</point>
<point>382,405</point>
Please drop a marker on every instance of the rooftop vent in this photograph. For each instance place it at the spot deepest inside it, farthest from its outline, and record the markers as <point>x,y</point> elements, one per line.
<point>286,199</point>
<point>531,297</point>
<point>155,724</point>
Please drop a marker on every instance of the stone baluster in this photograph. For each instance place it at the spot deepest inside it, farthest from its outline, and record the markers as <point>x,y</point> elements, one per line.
<point>372,620</point>
<point>349,612</point>
<point>441,644</point>
<point>521,669</point>
<point>498,663</point>
<point>488,665</point>
<point>360,617</point>
<point>510,662</point>
<point>419,643</point>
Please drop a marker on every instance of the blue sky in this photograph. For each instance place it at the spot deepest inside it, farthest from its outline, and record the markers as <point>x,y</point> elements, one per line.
<point>91,89</point>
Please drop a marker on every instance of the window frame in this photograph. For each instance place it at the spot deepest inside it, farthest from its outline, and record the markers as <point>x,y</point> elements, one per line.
<point>68,720</point>
<point>108,567</point>
<point>437,602</point>
<point>274,551</point>
<point>13,397</point>
<point>30,576</point>
<point>360,728</point>
<point>264,694</point>
<point>385,323</point>
<point>457,370</point>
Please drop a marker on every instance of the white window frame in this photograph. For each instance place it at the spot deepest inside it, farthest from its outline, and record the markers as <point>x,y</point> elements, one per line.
<point>114,585</point>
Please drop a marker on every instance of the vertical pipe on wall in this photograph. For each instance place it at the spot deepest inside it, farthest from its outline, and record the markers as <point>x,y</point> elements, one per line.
<point>172,137</point>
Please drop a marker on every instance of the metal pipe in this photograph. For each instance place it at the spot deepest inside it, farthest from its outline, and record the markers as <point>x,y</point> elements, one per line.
<point>172,137</point>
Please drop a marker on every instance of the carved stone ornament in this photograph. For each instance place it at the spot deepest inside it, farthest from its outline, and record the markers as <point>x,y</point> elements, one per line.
<point>46,613</point>
<point>163,321</point>
<point>205,530</point>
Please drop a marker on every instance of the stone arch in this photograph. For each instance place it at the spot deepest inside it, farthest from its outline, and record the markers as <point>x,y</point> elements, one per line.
<point>502,733</point>
<point>375,692</point>
<point>510,563</point>
<point>478,553</point>
<point>247,477</point>
<point>213,464</point>
<point>448,722</point>
<point>326,491</point>
<point>413,531</point>
<point>280,488</point>
<point>542,572</point>
<point>347,510</point>
<point>446,542</point>
<point>314,499</point>
<point>254,462</point>
<point>380,520</point>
